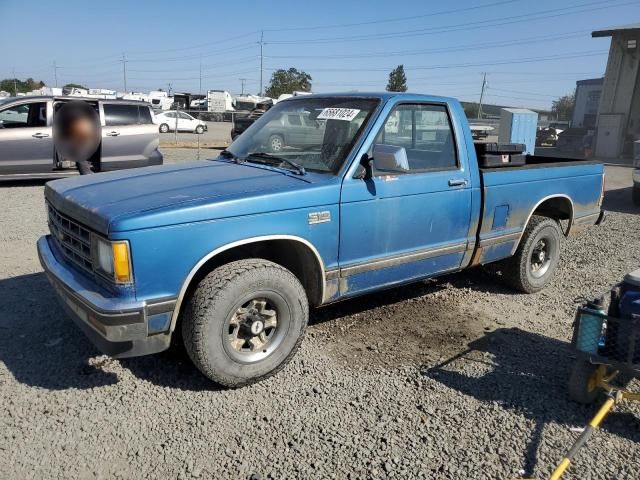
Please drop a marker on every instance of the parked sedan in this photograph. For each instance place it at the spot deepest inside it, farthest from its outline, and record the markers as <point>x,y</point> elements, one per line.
<point>168,121</point>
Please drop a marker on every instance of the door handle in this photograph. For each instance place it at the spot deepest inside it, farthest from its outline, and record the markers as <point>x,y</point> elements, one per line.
<point>113,134</point>
<point>456,182</point>
<point>40,135</point>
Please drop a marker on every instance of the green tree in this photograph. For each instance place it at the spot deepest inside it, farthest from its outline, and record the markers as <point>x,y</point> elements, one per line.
<point>288,81</point>
<point>397,80</point>
<point>75,85</point>
<point>562,108</point>
<point>23,86</point>
<point>471,109</point>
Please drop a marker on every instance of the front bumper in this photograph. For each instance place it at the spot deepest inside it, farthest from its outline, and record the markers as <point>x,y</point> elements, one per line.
<point>118,327</point>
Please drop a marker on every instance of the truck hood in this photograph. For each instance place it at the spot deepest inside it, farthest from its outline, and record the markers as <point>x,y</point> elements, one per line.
<point>189,192</point>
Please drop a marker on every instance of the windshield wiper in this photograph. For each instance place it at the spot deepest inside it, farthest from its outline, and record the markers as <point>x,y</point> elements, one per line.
<point>228,154</point>
<point>267,156</point>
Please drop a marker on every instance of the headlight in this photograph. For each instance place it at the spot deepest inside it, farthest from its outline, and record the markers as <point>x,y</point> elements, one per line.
<point>112,259</point>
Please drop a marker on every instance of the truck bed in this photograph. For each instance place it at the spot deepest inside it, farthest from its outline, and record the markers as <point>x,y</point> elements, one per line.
<point>512,194</point>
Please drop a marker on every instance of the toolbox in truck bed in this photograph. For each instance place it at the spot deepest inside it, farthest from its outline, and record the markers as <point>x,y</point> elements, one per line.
<point>491,155</point>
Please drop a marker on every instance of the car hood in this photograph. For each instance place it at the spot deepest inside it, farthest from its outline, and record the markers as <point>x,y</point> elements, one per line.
<point>189,192</point>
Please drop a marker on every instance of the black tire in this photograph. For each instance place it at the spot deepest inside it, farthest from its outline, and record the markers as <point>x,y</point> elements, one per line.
<point>276,143</point>
<point>218,347</point>
<point>635,196</point>
<point>581,383</point>
<point>519,271</point>
<point>164,128</point>
<point>199,129</point>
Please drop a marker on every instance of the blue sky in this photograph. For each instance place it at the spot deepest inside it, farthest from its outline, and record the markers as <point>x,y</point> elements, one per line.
<point>532,51</point>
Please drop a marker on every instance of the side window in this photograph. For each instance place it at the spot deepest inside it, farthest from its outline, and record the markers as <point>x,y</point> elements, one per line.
<point>425,132</point>
<point>170,114</point>
<point>120,114</point>
<point>145,115</point>
<point>294,120</point>
<point>184,116</point>
<point>25,115</point>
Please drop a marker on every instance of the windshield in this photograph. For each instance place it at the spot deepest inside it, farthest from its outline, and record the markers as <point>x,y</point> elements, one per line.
<point>314,133</point>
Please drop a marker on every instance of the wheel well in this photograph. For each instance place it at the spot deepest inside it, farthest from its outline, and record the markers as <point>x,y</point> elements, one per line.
<point>293,255</point>
<point>558,208</point>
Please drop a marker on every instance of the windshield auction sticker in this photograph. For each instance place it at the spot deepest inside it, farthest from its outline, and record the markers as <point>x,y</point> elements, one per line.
<point>346,114</point>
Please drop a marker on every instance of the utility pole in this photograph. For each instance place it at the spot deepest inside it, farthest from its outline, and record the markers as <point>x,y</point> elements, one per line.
<point>55,72</point>
<point>242,81</point>
<point>15,84</point>
<point>124,72</point>
<point>200,90</point>
<point>261,45</point>
<point>484,86</point>
<point>169,89</point>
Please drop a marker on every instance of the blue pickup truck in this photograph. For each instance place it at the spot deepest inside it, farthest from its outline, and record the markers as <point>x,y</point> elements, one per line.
<point>349,194</point>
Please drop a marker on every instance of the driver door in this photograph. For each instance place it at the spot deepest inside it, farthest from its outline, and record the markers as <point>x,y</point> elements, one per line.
<point>411,223</point>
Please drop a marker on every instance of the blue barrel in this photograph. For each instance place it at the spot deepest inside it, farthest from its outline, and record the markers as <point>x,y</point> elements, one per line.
<point>590,326</point>
<point>621,335</point>
<point>630,295</point>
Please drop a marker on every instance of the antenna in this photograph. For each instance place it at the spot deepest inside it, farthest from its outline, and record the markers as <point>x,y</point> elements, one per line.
<point>484,86</point>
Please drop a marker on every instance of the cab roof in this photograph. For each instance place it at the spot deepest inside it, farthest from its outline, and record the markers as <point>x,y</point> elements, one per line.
<point>384,96</point>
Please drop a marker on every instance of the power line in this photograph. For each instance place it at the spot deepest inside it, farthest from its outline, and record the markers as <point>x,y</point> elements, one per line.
<point>589,53</point>
<point>239,61</point>
<point>397,19</point>
<point>462,26</point>
<point>460,48</point>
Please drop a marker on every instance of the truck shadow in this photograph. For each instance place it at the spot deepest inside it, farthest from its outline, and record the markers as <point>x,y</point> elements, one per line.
<point>42,347</point>
<point>527,373</point>
<point>39,345</point>
<point>620,201</point>
<point>477,279</point>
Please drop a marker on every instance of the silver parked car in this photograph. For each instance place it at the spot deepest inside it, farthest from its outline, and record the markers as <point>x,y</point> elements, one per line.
<point>129,137</point>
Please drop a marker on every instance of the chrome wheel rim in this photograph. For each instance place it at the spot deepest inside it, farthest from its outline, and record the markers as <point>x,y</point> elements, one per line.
<point>541,257</point>
<point>255,329</point>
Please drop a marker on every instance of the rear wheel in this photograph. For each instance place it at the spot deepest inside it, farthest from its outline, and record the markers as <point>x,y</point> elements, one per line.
<point>537,256</point>
<point>276,143</point>
<point>164,128</point>
<point>635,195</point>
<point>245,321</point>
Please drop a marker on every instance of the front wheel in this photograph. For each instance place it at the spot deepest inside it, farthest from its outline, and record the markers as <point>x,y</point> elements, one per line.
<point>245,321</point>
<point>537,256</point>
<point>199,129</point>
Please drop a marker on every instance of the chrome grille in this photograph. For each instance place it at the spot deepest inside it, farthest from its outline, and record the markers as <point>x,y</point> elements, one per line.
<point>73,239</point>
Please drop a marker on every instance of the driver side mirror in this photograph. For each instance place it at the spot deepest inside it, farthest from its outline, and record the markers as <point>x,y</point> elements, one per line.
<point>390,158</point>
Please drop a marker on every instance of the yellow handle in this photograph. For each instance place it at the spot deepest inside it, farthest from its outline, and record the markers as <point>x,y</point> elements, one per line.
<point>561,469</point>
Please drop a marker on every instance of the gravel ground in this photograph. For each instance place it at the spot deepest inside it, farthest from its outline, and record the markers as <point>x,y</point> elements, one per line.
<point>455,378</point>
